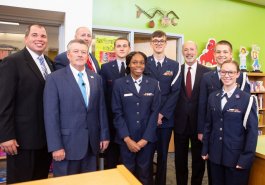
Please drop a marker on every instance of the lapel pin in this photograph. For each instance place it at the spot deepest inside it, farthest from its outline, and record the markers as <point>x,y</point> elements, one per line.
<point>237,96</point>
<point>91,76</point>
<point>217,94</point>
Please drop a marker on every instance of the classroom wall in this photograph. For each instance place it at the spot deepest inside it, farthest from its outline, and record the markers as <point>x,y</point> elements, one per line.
<point>239,22</point>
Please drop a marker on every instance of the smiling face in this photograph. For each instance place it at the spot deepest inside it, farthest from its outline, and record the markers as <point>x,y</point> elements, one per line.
<point>137,65</point>
<point>229,73</point>
<point>36,39</point>
<point>77,54</point>
<point>158,44</point>
<point>189,51</point>
<point>222,53</point>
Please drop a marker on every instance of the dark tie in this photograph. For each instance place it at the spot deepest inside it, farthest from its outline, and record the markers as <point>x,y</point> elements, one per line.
<point>158,66</point>
<point>188,83</point>
<point>89,64</point>
<point>224,99</point>
<point>122,71</point>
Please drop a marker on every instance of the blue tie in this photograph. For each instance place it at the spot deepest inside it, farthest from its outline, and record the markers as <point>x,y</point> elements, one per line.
<point>43,67</point>
<point>82,87</point>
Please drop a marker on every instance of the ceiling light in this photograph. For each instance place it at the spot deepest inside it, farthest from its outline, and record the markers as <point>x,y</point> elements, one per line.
<point>10,23</point>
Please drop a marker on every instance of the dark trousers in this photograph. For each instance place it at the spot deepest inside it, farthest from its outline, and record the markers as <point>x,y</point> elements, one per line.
<point>140,163</point>
<point>112,156</point>
<point>181,142</point>
<point>164,135</point>
<point>222,175</point>
<point>70,167</point>
<point>28,165</point>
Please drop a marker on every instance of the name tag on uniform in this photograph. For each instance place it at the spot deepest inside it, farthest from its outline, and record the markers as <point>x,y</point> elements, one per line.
<point>128,94</point>
<point>148,94</point>
<point>233,110</point>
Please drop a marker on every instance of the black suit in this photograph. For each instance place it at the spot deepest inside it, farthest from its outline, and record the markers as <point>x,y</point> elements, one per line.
<point>21,116</point>
<point>185,129</point>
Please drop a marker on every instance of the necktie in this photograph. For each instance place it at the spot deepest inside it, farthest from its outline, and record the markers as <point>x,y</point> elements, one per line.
<point>224,99</point>
<point>158,66</point>
<point>137,85</point>
<point>188,83</point>
<point>122,71</point>
<point>82,87</point>
<point>43,67</point>
<point>89,64</point>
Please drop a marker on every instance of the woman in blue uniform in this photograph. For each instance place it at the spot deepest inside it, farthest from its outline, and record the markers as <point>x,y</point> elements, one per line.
<point>231,130</point>
<point>135,104</point>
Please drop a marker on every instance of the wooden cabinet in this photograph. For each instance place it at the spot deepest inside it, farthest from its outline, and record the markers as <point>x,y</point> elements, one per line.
<point>257,88</point>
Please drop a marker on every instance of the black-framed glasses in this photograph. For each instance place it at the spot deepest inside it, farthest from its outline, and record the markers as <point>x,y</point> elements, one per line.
<point>230,73</point>
<point>156,42</point>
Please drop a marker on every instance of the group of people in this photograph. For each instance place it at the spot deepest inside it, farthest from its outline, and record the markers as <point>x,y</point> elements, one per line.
<point>69,110</point>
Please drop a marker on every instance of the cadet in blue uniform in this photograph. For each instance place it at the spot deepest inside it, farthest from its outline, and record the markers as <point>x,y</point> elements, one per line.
<point>211,82</point>
<point>167,72</point>
<point>110,72</point>
<point>231,130</point>
<point>135,104</point>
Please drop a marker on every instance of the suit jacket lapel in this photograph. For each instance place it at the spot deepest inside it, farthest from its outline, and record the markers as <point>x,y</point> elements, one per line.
<point>33,66</point>
<point>144,86</point>
<point>115,70</point>
<point>152,65</point>
<point>92,87</point>
<point>215,80</point>
<point>131,86</point>
<point>196,85</point>
<point>232,101</point>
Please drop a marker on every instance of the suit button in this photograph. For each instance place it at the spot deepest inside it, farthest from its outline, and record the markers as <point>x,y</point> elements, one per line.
<point>137,113</point>
<point>221,129</point>
<point>137,121</point>
<point>221,119</point>
<point>137,104</point>
<point>220,138</point>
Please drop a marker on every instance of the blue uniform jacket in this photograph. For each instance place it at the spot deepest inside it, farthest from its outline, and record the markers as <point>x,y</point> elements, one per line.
<point>109,73</point>
<point>225,139</point>
<point>170,84</point>
<point>135,114</point>
<point>210,83</point>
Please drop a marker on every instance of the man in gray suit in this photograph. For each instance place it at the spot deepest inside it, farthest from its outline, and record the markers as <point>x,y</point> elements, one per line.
<point>75,114</point>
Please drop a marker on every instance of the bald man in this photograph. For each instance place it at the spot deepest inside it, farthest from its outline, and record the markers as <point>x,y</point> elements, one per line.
<point>185,121</point>
<point>82,33</point>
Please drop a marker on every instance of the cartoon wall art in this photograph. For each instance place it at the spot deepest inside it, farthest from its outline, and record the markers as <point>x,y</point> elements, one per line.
<point>243,52</point>
<point>255,57</point>
<point>207,56</point>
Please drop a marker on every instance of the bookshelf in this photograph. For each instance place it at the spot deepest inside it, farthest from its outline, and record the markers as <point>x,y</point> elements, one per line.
<point>259,90</point>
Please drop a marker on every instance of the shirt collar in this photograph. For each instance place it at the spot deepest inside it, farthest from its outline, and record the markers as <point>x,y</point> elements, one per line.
<point>75,71</point>
<point>33,54</point>
<point>230,93</point>
<point>139,80</point>
<point>193,66</point>
<point>161,60</point>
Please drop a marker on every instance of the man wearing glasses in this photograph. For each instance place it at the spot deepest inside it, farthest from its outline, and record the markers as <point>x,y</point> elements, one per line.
<point>166,71</point>
<point>211,82</point>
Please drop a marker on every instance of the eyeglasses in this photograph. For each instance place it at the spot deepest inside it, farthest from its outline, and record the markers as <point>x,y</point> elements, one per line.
<point>156,42</point>
<point>230,73</point>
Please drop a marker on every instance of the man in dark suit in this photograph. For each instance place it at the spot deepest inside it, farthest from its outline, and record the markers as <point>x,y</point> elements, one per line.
<point>82,33</point>
<point>211,82</point>
<point>110,72</point>
<point>185,129</point>
<point>166,71</point>
<point>22,132</point>
<point>75,114</point>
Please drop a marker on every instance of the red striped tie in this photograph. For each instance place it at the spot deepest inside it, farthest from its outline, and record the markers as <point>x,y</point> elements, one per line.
<point>89,64</point>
